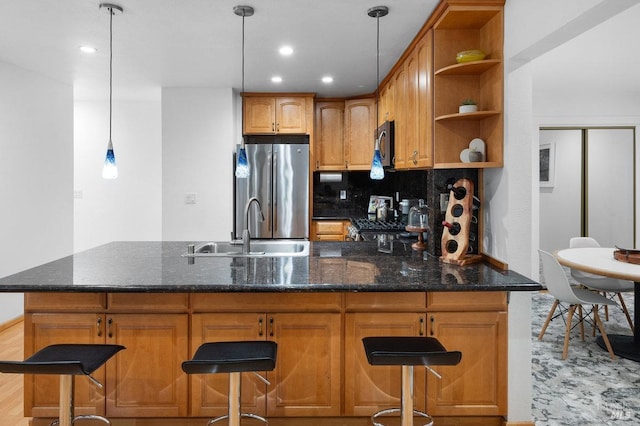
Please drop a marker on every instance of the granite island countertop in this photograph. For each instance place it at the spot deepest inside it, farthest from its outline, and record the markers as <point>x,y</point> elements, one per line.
<point>160,267</point>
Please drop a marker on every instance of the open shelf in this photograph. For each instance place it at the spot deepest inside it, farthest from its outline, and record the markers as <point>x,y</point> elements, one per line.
<point>468,116</point>
<point>469,68</point>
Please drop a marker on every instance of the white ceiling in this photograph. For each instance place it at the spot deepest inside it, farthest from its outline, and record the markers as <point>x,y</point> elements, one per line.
<point>198,43</point>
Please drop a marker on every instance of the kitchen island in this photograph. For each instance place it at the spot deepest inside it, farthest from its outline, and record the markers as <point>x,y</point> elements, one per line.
<point>162,305</point>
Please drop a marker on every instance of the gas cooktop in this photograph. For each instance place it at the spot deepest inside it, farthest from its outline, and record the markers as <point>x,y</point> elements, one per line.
<point>364,224</point>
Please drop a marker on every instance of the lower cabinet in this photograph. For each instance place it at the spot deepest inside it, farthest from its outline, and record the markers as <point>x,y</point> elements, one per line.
<point>372,388</point>
<point>307,377</point>
<point>321,369</point>
<point>476,325</point>
<point>42,392</point>
<point>144,381</point>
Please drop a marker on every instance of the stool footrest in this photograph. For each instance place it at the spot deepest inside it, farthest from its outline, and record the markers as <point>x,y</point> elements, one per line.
<point>249,415</point>
<point>84,417</point>
<point>399,410</point>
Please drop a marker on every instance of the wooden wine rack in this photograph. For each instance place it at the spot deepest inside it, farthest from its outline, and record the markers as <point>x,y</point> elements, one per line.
<point>455,244</point>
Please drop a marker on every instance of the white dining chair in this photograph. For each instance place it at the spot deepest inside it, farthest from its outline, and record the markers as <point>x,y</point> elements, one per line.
<point>609,286</point>
<point>558,286</point>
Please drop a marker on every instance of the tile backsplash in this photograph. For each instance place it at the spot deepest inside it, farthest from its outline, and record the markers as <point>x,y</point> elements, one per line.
<point>357,187</point>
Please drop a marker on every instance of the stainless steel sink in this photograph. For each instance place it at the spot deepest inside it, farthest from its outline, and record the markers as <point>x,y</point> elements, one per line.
<point>259,248</point>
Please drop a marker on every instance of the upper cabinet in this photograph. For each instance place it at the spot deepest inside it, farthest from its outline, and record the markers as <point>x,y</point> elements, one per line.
<point>360,125</point>
<point>409,91</point>
<point>460,28</point>
<point>344,134</point>
<point>329,143</point>
<point>277,114</point>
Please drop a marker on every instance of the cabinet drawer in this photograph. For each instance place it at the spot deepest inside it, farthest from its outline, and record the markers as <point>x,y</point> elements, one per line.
<point>385,302</point>
<point>266,302</point>
<point>330,227</point>
<point>467,301</point>
<point>148,302</point>
<point>65,302</point>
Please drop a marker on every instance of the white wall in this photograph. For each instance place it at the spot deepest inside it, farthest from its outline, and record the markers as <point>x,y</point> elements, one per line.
<point>128,208</point>
<point>532,28</point>
<point>198,138</point>
<point>36,176</point>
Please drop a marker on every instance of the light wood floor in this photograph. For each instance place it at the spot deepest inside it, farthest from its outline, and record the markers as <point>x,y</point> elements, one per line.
<point>11,397</point>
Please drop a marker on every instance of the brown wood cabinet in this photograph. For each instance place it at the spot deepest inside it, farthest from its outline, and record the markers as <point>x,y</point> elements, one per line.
<point>459,28</point>
<point>360,125</point>
<point>345,134</point>
<point>329,230</point>
<point>321,370</point>
<point>308,366</point>
<point>329,141</point>
<point>476,325</point>
<point>276,114</point>
<point>145,382</point>
<point>372,388</point>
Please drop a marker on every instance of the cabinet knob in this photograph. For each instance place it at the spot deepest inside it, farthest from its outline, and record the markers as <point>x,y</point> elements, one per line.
<point>109,324</point>
<point>99,326</point>
<point>421,326</point>
<point>432,320</point>
<point>271,326</point>
<point>415,158</point>
<point>273,127</point>
<point>260,327</point>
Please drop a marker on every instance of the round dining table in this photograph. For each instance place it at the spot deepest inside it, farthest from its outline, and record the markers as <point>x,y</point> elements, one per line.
<point>600,261</point>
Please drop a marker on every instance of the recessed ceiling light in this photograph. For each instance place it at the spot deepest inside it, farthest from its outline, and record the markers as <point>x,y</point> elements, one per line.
<point>286,50</point>
<point>327,79</point>
<point>88,49</point>
<point>276,79</point>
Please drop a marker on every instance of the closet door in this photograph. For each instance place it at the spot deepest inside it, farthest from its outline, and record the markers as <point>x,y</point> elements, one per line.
<point>610,186</point>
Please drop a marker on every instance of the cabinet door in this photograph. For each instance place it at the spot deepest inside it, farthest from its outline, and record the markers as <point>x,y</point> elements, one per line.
<point>307,370</point>
<point>360,124</point>
<point>418,106</point>
<point>259,115</point>
<point>209,393</point>
<point>329,143</point>
<point>400,107</point>
<point>147,381</point>
<point>478,385</point>
<point>371,388</point>
<point>291,115</point>
<point>42,392</point>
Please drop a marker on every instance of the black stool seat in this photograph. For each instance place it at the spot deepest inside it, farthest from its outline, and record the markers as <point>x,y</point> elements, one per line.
<point>71,359</point>
<point>66,360</point>
<point>407,352</point>
<point>394,350</point>
<point>232,357</point>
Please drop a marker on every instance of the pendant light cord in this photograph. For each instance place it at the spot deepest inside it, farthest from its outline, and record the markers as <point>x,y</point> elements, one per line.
<point>110,68</point>
<point>377,69</point>
<point>243,53</point>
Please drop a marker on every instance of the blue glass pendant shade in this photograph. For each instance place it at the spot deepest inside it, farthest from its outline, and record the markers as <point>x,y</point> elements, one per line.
<point>110,171</point>
<point>242,168</point>
<point>377,171</point>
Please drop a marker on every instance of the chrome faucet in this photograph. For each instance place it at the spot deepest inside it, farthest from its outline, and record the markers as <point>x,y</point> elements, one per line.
<point>246,235</point>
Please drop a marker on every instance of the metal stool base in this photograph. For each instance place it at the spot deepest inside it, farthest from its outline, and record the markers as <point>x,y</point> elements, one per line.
<point>399,410</point>
<point>85,417</point>
<point>249,415</point>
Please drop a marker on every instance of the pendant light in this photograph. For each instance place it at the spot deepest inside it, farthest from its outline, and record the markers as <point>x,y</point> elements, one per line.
<point>110,171</point>
<point>242,167</point>
<point>377,171</point>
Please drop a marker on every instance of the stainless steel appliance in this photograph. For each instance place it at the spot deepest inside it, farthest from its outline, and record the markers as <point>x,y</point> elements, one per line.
<point>279,179</point>
<point>387,142</point>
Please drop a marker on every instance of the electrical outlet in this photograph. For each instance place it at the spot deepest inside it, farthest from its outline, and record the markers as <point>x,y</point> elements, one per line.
<point>190,198</point>
<point>343,194</point>
<point>444,202</point>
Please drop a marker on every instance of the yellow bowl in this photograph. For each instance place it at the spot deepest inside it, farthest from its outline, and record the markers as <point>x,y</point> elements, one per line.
<point>470,55</point>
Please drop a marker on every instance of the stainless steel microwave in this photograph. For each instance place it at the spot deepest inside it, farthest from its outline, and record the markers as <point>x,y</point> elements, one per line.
<point>386,143</point>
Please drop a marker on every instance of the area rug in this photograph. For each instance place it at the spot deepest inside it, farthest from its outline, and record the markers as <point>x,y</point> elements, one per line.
<point>588,388</point>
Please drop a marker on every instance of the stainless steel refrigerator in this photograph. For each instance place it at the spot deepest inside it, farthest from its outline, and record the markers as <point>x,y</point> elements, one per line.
<point>279,179</point>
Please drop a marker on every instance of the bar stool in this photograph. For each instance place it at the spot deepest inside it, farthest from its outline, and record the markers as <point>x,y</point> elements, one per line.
<point>67,361</point>
<point>407,352</point>
<point>233,358</point>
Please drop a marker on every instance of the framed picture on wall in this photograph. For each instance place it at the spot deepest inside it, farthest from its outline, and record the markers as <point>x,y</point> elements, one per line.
<point>547,164</point>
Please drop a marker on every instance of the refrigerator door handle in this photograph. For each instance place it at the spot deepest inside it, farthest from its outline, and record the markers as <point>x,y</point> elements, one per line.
<point>275,190</point>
